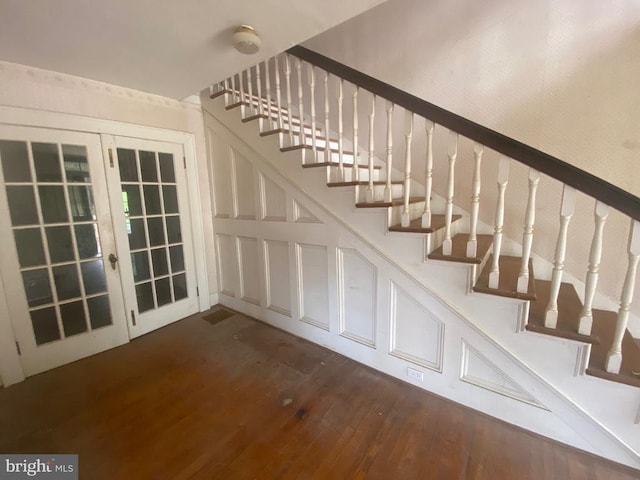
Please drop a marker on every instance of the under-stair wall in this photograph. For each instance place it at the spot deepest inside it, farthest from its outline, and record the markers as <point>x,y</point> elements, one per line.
<point>297,254</point>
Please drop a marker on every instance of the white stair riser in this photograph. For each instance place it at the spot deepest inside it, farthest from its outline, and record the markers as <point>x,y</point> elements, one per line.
<point>378,192</point>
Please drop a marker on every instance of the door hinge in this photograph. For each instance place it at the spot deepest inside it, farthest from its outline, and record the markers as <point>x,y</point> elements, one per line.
<point>18,348</point>
<point>184,161</point>
<point>111,157</point>
<point>198,291</point>
<point>133,318</point>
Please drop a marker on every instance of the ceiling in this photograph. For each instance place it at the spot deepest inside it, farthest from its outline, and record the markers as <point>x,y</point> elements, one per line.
<point>173,48</point>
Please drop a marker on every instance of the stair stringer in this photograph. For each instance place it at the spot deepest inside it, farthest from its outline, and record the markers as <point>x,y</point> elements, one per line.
<point>488,324</point>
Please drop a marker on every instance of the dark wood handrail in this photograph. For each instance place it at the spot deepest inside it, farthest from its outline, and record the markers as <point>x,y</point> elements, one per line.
<point>554,167</point>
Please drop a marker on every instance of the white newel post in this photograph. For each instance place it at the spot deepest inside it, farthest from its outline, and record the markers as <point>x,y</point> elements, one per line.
<point>408,133</point>
<point>355,169</point>
<point>447,245</point>
<point>327,152</point>
<point>472,243</point>
<point>428,176</point>
<point>260,102</point>
<point>250,88</point>
<point>388,192</point>
<point>267,87</point>
<point>233,89</point>
<point>340,129</point>
<point>226,95</point>
<point>372,114</point>
<point>242,94</point>
<point>276,67</point>
<point>601,212</point>
<point>503,180</point>
<point>527,235</point>
<point>566,212</point>
<point>287,76</point>
<point>300,105</point>
<point>312,96</point>
<point>614,356</point>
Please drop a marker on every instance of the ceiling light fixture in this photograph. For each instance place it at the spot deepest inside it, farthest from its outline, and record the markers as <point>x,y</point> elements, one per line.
<point>246,40</point>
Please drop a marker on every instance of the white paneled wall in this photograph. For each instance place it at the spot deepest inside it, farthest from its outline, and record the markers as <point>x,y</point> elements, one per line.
<point>313,284</point>
<point>278,280</point>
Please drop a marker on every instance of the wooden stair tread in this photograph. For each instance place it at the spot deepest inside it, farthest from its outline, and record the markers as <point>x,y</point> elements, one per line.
<point>219,93</point>
<point>396,202</point>
<point>362,183</point>
<point>603,326</point>
<point>335,164</point>
<point>569,308</point>
<point>294,120</point>
<point>459,249</point>
<point>275,131</point>
<point>415,226</point>
<point>508,280</point>
<point>310,147</point>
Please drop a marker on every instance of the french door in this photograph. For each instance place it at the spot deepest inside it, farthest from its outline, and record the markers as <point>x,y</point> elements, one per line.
<point>97,241</point>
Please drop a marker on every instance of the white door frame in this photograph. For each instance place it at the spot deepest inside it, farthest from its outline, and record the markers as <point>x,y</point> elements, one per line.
<point>10,364</point>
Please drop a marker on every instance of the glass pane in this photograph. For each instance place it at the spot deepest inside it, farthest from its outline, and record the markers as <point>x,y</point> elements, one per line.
<point>22,205</point>
<point>148,166</point>
<point>127,165</point>
<point>30,248</point>
<point>60,245</point>
<point>45,325</point>
<point>170,199</point>
<point>81,200</point>
<point>163,291</point>
<point>145,297</point>
<point>136,232</point>
<point>37,287</point>
<point>159,259</point>
<point>73,319</point>
<point>53,204</point>
<point>88,241</point>
<point>93,277</point>
<point>47,163</point>
<point>177,258</point>
<point>67,282</point>
<point>156,231</point>
<point>180,286</point>
<point>166,168</point>
<point>173,229</point>
<point>15,161</point>
<point>140,264</point>
<point>75,163</point>
<point>152,199</point>
<point>131,200</point>
<point>99,311</point>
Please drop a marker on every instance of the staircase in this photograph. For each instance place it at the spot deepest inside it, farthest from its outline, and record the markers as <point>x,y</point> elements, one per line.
<point>315,125</point>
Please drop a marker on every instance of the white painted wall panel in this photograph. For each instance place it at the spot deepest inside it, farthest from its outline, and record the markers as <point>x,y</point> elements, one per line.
<point>243,187</point>
<point>222,191</point>
<point>273,200</point>
<point>277,276</point>
<point>313,290</point>
<point>357,280</point>
<point>249,269</point>
<point>228,259</point>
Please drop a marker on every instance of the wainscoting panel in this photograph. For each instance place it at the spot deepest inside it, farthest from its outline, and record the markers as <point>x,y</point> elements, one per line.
<point>222,191</point>
<point>273,201</point>
<point>243,187</point>
<point>278,285</point>
<point>416,334</point>
<point>228,264</point>
<point>313,284</point>
<point>357,279</point>
<point>249,270</point>
<point>302,215</point>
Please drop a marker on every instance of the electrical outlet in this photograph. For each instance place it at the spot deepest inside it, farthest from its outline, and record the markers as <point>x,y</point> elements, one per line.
<point>415,374</point>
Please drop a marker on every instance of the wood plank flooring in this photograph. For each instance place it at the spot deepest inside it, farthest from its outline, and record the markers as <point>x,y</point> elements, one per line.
<point>232,398</point>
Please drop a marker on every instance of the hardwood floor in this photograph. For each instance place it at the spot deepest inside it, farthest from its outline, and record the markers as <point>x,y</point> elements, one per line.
<point>232,398</point>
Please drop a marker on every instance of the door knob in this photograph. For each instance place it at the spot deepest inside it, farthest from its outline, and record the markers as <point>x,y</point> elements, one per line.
<point>113,260</point>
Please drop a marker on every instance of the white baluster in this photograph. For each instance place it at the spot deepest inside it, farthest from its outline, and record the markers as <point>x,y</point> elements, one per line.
<point>527,235</point>
<point>447,245</point>
<point>226,89</point>
<point>614,356</point>
<point>472,243</point>
<point>566,212</point>
<point>267,86</point>
<point>287,76</point>
<point>503,180</point>
<point>356,170</point>
<point>327,152</point>
<point>260,101</point>
<point>300,104</point>
<point>276,67</point>
<point>250,87</point>
<point>242,95</point>
<point>372,115</point>
<point>405,219</point>
<point>428,176</point>
<point>388,191</point>
<point>312,90</point>
<point>340,130</point>
<point>233,89</point>
<point>595,254</point>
